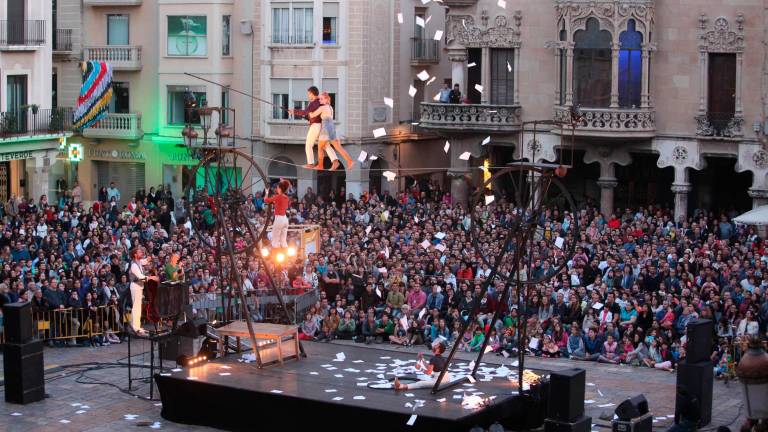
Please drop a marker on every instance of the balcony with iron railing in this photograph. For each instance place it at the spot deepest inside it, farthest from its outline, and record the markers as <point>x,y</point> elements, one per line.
<point>719,125</point>
<point>25,35</point>
<point>609,122</point>
<point>471,117</point>
<point>62,41</point>
<point>116,126</point>
<point>121,57</point>
<point>30,122</point>
<point>112,2</point>
<point>424,51</point>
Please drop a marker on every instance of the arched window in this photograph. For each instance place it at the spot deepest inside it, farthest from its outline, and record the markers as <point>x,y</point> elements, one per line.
<point>563,37</point>
<point>592,66</point>
<point>281,167</point>
<point>630,66</point>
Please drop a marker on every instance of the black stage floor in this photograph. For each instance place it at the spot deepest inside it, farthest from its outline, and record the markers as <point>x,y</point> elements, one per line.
<point>322,391</point>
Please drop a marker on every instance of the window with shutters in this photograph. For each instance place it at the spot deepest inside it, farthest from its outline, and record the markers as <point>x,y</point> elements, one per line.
<point>592,66</point>
<point>721,104</point>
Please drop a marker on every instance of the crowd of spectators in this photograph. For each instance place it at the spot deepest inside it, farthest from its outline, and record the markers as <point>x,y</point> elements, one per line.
<point>403,269</point>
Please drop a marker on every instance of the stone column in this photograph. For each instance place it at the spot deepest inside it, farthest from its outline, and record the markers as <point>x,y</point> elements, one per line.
<point>37,184</point>
<point>646,78</point>
<point>759,197</point>
<point>458,58</point>
<point>615,75</point>
<point>681,191</point>
<point>569,75</point>
<point>607,185</point>
<point>459,186</point>
<point>485,74</point>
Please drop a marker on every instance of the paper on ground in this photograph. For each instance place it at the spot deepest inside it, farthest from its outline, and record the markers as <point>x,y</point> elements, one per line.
<point>599,392</point>
<point>16,414</point>
<point>606,405</point>
<point>359,398</point>
<point>589,401</point>
<point>411,420</point>
<point>465,156</point>
<point>373,157</point>
<point>64,421</point>
<point>331,390</point>
<point>276,391</point>
<point>225,374</point>
<point>341,356</point>
<point>380,132</point>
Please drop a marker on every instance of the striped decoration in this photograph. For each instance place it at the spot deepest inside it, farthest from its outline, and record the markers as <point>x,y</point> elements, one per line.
<point>95,94</point>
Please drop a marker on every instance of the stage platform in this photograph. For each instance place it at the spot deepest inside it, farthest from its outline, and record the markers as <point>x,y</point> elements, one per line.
<point>330,390</point>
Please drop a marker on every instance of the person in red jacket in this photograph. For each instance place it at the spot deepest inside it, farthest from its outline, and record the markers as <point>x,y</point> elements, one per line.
<point>280,225</point>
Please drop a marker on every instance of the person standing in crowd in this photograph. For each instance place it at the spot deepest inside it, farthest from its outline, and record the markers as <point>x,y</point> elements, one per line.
<point>455,95</point>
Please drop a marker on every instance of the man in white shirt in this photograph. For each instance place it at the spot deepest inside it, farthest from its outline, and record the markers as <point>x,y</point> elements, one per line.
<point>113,192</point>
<point>138,278</point>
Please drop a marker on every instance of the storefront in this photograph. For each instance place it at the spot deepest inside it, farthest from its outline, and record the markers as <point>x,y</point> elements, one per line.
<point>29,169</point>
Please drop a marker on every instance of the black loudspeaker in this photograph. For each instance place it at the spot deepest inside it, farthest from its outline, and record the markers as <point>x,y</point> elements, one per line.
<point>18,322</point>
<point>644,423</point>
<point>23,367</point>
<point>694,392</point>
<point>699,345</point>
<point>566,394</point>
<point>632,408</point>
<point>192,328</point>
<point>175,346</point>
<point>581,424</point>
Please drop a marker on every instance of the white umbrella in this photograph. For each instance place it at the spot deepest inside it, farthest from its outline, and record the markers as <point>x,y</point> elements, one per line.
<point>758,216</point>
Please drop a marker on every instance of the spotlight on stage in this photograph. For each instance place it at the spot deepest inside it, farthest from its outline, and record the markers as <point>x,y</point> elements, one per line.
<point>280,257</point>
<point>264,252</point>
<point>291,251</point>
<point>191,361</point>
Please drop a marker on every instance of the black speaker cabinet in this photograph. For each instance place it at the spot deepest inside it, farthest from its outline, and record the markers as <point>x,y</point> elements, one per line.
<point>644,423</point>
<point>581,424</point>
<point>17,318</point>
<point>566,394</point>
<point>632,408</point>
<point>175,346</point>
<point>699,345</point>
<point>23,367</point>
<point>694,391</point>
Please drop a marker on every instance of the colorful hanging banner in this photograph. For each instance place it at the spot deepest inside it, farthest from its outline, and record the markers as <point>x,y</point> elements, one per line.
<point>95,94</point>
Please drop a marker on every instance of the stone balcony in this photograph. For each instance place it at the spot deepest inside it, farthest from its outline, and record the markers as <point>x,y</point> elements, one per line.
<point>112,2</point>
<point>121,57</point>
<point>469,117</point>
<point>609,122</point>
<point>116,126</point>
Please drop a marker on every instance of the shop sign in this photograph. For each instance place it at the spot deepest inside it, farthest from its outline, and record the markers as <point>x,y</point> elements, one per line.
<point>116,154</point>
<point>5,157</point>
<point>180,157</point>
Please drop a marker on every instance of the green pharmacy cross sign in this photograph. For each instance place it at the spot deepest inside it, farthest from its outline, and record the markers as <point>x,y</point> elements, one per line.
<point>75,152</point>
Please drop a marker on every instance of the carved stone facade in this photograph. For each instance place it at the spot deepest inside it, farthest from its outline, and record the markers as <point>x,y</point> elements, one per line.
<point>505,118</point>
<point>721,37</point>
<point>610,122</point>
<point>463,30</point>
<point>612,15</point>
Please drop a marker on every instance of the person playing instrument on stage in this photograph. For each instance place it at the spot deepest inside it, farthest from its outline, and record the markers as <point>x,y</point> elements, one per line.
<point>173,269</point>
<point>431,369</point>
<point>138,279</point>
<point>280,225</point>
<point>328,132</point>
<point>315,127</point>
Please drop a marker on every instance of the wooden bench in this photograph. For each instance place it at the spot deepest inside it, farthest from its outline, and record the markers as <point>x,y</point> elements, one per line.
<point>270,338</point>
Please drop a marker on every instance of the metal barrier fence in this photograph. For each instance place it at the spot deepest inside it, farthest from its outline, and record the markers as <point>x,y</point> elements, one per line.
<point>72,323</point>
<point>261,307</point>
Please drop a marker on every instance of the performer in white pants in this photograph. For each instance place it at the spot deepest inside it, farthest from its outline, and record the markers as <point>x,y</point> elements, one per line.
<point>280,225</point>
<point>432,369</point>
<point>138,278</point>
<point>315,126</point>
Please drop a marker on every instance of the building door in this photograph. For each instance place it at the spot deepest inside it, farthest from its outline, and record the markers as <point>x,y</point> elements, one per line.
<point>128,177</point>
<point>117,29</point>
<point>119,102</point>
<point>16,97</point>
<point>16,23</point>
<point>721,105</point>
<point>5,181</point>
<point>474,74</point>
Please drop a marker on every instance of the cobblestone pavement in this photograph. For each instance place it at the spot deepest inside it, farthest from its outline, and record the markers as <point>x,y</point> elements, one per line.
<point>73,406</point>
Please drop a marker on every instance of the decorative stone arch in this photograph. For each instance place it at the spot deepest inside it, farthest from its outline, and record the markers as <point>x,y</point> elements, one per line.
<point>720,38</point>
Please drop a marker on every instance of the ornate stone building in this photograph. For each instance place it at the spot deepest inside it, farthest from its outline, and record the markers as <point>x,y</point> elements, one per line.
<point>669,97</point>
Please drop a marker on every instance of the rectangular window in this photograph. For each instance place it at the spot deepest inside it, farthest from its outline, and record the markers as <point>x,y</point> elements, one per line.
<point>117,29</point>
<point>330,18</point>
<point>721,103</point>
<point>331,85</point>
<point>563,75</point>
<point>181,103</point>
<point>289,93</point>
<point>502,79</point>
<point>119,104</point>
<point>225,34</point>
<point>225,104</point>
<point>187,36</point>
<point>292,23</point>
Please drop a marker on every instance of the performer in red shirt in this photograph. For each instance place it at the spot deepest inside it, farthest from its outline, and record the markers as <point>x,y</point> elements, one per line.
<point>280,225</point>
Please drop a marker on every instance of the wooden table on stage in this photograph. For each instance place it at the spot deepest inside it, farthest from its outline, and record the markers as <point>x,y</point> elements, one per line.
<point>270,352</point>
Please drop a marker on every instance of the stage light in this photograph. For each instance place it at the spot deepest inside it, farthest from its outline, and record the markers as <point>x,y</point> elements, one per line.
<point>264,252</point>
<point>291,251</point>
<point>280,257</point>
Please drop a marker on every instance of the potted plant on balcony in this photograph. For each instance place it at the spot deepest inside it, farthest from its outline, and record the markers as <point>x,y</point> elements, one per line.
<point>33,107</point>
<point>57,120</point>
<point>8,123</point>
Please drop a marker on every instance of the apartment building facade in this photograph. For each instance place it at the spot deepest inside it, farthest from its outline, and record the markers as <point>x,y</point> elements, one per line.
<point>671,96</point>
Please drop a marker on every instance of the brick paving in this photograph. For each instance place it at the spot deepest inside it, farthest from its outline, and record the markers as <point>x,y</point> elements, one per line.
<point>107,405</point>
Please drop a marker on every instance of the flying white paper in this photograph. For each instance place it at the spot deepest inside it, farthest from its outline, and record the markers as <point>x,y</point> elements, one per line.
<point>446,147</point>
<point>362,156</point>
<point>425,244</point>
<point>486,140</point>
<point>473,64</point>
<point>426,21</point>
<point>465,156</point>
<point>431,80</point>
<point>373,157</point>
<point>389,175</point>
<point>378,292</point>
<point>420,21</point>
<point>440,235</point>
<point>559,242</point>
<point>411,420</point>
<point>479,88</point>
<point>400,18</point>
<point>436,97</point>
<point>412,91</point>
<point>389,102</point>
<point>440,247</point>
<point>489,199</point>
<point>438,35</point>
<point>423,75</point>
<point>380,132</point>
<point>509,67</point>
<point>502,4</point>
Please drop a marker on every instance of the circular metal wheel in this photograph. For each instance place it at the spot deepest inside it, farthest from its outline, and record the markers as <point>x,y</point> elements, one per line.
<point>220,186</point>
<point>533,193</point>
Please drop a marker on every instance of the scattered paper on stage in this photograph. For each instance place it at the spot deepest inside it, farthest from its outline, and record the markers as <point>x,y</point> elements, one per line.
<point>359,398</point>
<point>488,348</point>
<point>420,21</point>
<point>606,405</point>
<point>193,378</point>
<point>176,370</point>
<point>400,18</point>
<point>338,398</point>
<point>409,395</point>
<point>489,199</point>
<point>339,376</point>
<point>358,361</point>
<point>486,140</point>
<point>440,400</point>
<point>465,156</point>
<point>479,88</point>
<point>438,35</point>
<point>411,420</point>
<point>276,391</point>
<point>75,404</point>
<point>389,102</point>
<point>591,384</point>
<point>389,175</point>
<point>505,353</point>
<point>155,425</point>
<point>589,401</point>
<point>380,132</point>
<point>423,75</point>
<point>509,67</point>
<point>471,378</point>
<point>329,390</point>
<point>440,247</point>
<point>600,393</point>
<point>16,414</point>
<point>225,373</point>
<point>64,421</point>
<point>314,373</point>
<point>502,4</point>
<point>425,244</point>
<point>341,356</point>
<point>412,91</point>
<point>473,64</point>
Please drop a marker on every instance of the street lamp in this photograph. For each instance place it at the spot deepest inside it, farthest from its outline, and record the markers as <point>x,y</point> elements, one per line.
<point>225,133</point>
<point>752,371</point>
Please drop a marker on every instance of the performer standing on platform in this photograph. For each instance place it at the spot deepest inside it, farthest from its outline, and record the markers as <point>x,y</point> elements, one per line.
<point>138,278</point>
<point>280,225</point>
<point>435,365</point>
<point>315,125</point>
